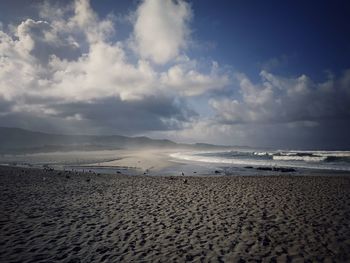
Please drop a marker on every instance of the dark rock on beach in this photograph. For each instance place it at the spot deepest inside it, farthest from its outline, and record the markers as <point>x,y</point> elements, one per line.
<point>284,170</point>
<point>264,168</point>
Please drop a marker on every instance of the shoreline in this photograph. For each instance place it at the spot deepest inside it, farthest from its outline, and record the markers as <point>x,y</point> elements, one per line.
<point>156,162</point>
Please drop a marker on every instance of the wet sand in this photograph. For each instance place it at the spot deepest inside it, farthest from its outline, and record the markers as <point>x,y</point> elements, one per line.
<point>60,217</point>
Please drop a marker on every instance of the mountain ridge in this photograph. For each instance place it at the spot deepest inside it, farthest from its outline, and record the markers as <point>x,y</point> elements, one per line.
<point>18,140</point>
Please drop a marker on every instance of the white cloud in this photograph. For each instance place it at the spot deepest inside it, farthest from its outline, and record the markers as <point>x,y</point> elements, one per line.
<point>186,80</point>
<point>103,72</point>
<point>96,30</point>
<point>72,56</point>
<point>286,100</point>
<point>41,40</point>
<point>161,29</point>
<point>70,67</point>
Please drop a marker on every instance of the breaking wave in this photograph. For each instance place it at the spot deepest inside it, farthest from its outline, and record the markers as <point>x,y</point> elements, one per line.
<point>328,160</point>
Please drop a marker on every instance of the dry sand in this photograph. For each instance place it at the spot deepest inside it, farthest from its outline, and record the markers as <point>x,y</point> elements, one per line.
<point>47,217</point>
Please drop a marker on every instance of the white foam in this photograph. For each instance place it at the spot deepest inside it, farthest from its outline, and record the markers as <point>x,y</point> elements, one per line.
<point>193,156</point>
<point>299,158</point>
<point>334,154</point>
<point>262,153</point>
<point>319,153</point>
<point>308,162</point>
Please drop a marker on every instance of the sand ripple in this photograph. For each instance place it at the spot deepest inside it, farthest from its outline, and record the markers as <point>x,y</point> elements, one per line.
<point>47,217</point>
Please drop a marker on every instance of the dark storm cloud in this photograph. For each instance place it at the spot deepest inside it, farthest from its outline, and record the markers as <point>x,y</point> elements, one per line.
<point>327,135</point>
<point>129,116</point>
<point>106,116</point>
<point>5,106</point>
<point>40,122</point>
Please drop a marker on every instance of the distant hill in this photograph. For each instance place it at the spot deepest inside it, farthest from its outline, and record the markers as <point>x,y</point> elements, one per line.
<point>16,140</point>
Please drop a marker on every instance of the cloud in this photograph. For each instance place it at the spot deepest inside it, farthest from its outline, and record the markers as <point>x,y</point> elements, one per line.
<point>207,130</point>
<point>103,72</point>
<point>161,29</point>
<point>95,29</point>
<point>41,41</point>
<point>151,113</point>
<point>73,57</point>
<point>286,100</point>
<point>185,79</point>
<point>69,71</point>
<point>108,115</point>
<point>327,135</point>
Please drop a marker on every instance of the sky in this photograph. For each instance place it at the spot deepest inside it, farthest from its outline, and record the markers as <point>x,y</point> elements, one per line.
<point>254,73</point>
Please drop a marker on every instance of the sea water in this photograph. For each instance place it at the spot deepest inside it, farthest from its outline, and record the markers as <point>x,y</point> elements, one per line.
<point>320,160</point>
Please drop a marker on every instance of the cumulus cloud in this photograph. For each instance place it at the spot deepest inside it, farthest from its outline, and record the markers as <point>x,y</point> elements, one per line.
<point>41,41</point>
<point>185,79</point>
<point>103,72</point>
<point>70,72</point>
<point>73,57</point>
<point>161,29</point>
<point>286,100</point>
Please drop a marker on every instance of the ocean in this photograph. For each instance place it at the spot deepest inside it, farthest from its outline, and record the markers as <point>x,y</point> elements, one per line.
<point>320,160</point>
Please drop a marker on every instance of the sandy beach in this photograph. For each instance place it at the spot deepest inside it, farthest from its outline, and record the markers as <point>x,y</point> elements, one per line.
<point>75,217</point>
<point>149,160</point>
